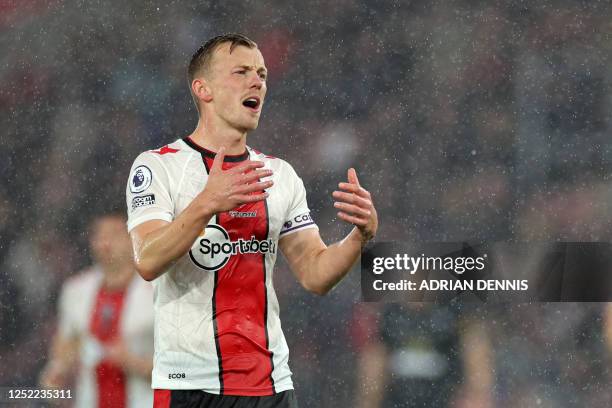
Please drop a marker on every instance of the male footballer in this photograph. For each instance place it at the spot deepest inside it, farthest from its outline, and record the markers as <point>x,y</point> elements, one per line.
<point>105,326</point>
<point>207,217</point>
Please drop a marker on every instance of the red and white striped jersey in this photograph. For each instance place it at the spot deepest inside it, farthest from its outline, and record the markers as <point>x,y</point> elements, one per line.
<point>217,325</point>
<point>98,317</point>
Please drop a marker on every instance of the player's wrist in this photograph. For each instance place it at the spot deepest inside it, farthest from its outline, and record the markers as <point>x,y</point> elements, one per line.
<point>57,366</point>
<point>205,206</point>
<point>53,373</point>
<point>365,235</point>
<point>130,363</point>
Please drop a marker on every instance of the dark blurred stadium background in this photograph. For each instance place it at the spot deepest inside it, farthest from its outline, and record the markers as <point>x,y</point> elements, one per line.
<point>481,120</point>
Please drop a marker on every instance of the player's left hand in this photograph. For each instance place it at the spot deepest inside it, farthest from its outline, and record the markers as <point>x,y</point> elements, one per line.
<point>118,353</point>
<point>356,206</point>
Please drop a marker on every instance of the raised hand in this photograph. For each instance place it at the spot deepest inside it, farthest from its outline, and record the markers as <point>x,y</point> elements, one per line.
<point>228,189</point>
<point>356,207</point>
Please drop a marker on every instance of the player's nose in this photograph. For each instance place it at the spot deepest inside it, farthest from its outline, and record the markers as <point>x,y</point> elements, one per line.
<point>256,81</point>
<point>104,242</point>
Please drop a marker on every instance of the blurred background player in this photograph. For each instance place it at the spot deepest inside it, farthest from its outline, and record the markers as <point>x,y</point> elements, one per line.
<point>421,355</point>
<point>105,326</point>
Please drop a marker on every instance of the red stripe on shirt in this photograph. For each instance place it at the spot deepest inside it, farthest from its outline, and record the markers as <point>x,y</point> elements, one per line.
<point>240,307</point>
<point>105,327</point>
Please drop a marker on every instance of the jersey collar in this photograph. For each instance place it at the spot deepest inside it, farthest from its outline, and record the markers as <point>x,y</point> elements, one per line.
<point>210,154</point>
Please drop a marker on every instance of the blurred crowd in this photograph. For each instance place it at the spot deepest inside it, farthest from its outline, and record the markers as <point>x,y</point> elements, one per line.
<point>467,120</point>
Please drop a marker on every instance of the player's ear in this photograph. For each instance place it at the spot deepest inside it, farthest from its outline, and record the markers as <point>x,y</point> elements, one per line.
<point>201,89</point>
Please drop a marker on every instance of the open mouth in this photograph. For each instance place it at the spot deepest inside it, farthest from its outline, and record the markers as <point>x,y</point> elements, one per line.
<point>252,103</point>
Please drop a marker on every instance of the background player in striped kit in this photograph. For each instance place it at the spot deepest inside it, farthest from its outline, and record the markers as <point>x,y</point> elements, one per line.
<point>197,209</point>
<point>105,333</point>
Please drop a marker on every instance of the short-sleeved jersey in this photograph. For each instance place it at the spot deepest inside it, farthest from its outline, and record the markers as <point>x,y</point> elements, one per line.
<point>217,325</point>
<point>98,317</point>
<point>423,346</point>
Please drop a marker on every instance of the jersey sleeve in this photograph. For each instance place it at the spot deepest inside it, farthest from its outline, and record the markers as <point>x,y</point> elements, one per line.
<point>148,191</point>
<point>67,325</point>
<point>298,215</point>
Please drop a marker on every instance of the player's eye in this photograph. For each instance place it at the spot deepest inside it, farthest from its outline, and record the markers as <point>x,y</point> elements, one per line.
<point>241,72</point>
<point>263,76</point>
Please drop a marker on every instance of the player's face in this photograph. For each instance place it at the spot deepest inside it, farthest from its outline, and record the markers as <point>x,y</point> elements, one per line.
<point>238,86</point>
<point>110,242</point>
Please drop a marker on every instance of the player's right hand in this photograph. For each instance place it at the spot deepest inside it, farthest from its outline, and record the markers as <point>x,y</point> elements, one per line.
<point>52,376</point>
<point>228,189</point>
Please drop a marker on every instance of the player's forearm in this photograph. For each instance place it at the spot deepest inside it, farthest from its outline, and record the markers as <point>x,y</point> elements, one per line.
<point>608,326</point>
<point>477,360</point>
<point>331,264</point>
<point>62,359</point>
<point>140,366</point>
<point>372,378</point>
<point>64,351</point>
<point>163,246</point>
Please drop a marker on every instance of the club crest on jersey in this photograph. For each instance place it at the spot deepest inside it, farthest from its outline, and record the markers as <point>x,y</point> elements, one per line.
<point>213,249</point>
<point>141,179</point>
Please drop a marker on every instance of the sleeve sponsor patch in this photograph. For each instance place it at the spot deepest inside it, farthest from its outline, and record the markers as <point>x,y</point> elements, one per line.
<point>142,201</point>
<point>140,179</point>
<point>297,222</point>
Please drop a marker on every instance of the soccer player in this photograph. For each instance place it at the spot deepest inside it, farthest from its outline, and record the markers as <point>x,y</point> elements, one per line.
<point>207,216</point>
<point>422,355</point>
<point>105,326</point>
